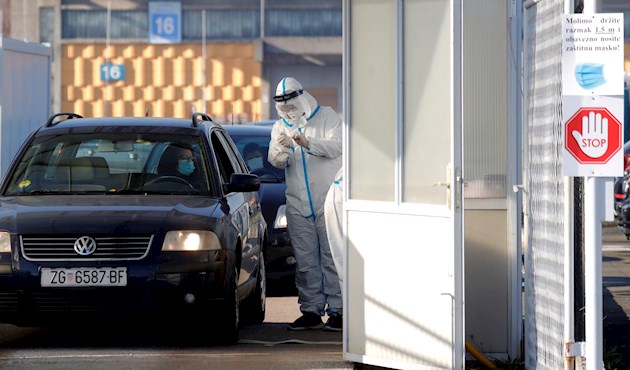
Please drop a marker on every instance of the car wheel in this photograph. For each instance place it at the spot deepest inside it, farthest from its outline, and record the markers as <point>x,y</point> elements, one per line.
<point>254,308</point>
<point>230,315</point>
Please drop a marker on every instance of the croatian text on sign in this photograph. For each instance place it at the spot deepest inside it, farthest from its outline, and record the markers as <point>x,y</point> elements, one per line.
<point>592,94</point>
<point>592,54</point>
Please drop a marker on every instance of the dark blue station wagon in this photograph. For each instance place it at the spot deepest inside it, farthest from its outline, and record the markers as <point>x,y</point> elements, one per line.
<point>132,217</point>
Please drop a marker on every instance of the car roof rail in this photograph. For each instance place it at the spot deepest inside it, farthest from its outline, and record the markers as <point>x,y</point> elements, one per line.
<point>53,119</point>
<point>199,117</point>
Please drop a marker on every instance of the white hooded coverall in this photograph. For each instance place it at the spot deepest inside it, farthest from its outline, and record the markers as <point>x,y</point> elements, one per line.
<point>309,173</point>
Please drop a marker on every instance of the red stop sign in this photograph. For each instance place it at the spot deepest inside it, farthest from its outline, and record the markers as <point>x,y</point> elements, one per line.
<point>584,145</point>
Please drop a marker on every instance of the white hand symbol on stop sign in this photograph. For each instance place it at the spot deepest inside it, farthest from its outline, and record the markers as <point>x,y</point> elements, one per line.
<point>593,140</point>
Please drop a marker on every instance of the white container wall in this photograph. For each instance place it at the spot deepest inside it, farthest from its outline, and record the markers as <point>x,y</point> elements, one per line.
<point>24,94</point>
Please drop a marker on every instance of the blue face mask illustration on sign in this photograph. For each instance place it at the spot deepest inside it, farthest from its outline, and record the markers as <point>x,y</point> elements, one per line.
<point>590,75</point>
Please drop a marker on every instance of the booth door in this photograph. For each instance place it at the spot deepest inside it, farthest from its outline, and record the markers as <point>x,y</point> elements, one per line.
<point>403,207</point>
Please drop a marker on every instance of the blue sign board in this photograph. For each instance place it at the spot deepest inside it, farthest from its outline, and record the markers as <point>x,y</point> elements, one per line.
<point>112,72</point>
<point>165,26</point>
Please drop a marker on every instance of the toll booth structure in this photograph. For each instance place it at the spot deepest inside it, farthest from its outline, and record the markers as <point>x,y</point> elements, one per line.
<point>432,199</point>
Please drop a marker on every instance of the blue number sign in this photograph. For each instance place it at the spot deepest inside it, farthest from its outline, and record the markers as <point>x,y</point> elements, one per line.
<point>165,25</point>
<point>112,72</point>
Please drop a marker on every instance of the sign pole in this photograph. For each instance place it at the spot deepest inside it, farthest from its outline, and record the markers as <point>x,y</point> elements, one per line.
<point>593,272</point>
<point>592,103</point>
<point>107,56</point>
<point>593,258</point>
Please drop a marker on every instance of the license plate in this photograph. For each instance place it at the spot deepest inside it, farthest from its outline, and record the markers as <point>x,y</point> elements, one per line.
<point>84,277</point>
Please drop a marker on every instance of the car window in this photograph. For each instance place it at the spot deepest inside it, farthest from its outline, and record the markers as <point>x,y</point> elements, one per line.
<point>266,173</point>
<point>110,163</point>
<point>121,156</point>
<point>234,153</point>
<point>225,164</point>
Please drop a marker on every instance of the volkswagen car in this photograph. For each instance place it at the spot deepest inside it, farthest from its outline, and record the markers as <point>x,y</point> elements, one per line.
<point>279,253</point>
<point>90,228</point>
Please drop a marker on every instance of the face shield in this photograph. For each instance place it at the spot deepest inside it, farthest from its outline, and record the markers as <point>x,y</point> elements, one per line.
<point>284,98</point>
<point>292,107</point>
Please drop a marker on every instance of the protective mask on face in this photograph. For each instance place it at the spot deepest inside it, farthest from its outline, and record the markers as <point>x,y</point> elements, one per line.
<point>590,75</point>
<point>292,116</point>
<point>255,163</point>
<point>289,112</point>
<point>185,166</point>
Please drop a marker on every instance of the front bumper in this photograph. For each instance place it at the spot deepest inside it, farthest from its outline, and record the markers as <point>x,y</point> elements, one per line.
<point>174,282</point>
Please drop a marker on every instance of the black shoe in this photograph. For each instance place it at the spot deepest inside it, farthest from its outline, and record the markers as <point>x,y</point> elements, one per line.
<point>334,323</point>
<point>308,321</point>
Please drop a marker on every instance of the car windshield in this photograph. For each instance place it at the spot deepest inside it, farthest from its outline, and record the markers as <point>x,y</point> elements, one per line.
<point>111,164</point>
<point>253,147</point>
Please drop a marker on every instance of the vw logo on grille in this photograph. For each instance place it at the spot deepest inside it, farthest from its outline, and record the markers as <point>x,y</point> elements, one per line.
<point>85,246</point>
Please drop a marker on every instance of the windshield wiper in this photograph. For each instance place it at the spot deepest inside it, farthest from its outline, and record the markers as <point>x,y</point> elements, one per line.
<point>64,192</point>
<point>45,192</point>
<point>132,192</point>
<point>151,192</point>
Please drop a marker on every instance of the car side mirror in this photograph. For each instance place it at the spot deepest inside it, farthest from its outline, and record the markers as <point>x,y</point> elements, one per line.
<point>241,183</point>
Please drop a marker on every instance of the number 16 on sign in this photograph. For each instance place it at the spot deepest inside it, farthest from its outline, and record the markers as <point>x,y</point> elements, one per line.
<point>165,22</point>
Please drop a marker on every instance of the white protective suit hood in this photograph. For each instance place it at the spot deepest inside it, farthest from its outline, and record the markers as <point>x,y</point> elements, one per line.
<point>290,92</point>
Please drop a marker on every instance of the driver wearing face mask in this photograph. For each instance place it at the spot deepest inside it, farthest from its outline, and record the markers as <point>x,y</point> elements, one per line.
<point>253,156</point>
<point>186,165</point>
<point>178,160</point>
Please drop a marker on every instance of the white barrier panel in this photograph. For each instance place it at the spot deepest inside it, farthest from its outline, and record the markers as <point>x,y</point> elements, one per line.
<point>24,94</point>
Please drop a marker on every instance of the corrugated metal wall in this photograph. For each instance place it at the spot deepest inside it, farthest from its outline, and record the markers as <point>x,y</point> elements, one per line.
<point>485,99</point>
<point>166,79</point>
<point>544,231</point>
<point>487,147</point>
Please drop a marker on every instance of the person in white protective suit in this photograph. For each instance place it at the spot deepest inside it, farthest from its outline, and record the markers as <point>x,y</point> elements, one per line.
<point>306,142</point>
<point>333,212</point>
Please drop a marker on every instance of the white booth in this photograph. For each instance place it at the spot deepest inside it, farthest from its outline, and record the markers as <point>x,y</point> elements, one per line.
<point>431,153</point>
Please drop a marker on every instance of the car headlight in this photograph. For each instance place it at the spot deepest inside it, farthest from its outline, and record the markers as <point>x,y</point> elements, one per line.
<point>5,241</point>
<point>190,240</point>
<point>281,218</point>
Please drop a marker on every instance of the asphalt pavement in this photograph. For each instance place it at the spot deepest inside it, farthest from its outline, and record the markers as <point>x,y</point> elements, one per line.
<point>616,310</point>
<point>311,349</point>
<point>121,346</point>
<point>616,295</point>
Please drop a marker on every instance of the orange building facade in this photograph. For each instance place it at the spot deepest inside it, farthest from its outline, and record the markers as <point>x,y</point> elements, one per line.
<point>165,80</point>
